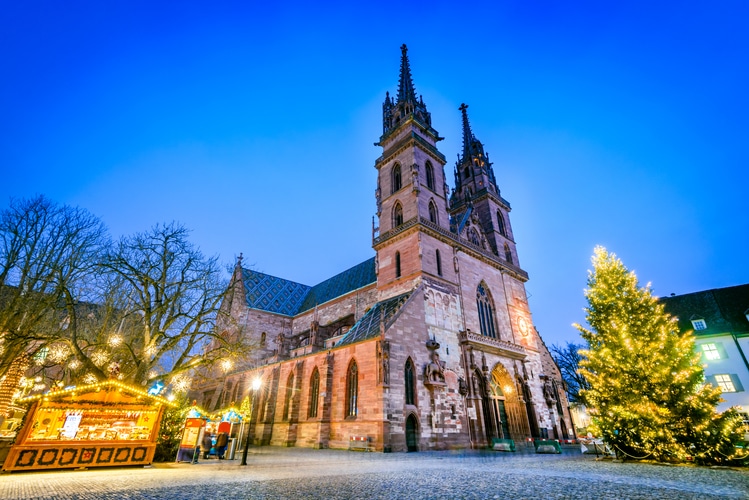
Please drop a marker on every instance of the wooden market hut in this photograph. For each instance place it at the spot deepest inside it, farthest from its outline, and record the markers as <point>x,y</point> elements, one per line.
<point>98,425</point>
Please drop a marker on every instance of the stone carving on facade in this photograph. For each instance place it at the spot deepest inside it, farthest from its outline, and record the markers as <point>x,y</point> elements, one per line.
<point>383,353</point>
<point>434,371</point>
<point>415,178</point>
<point>462,387</point>
<point>549,393</point>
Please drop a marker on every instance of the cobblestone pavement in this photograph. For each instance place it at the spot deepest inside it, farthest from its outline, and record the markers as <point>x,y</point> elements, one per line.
<point>337,474</point>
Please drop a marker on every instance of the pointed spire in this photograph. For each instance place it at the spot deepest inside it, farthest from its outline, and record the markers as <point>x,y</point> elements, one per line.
<point>406,91</point>
<point>467,134</point>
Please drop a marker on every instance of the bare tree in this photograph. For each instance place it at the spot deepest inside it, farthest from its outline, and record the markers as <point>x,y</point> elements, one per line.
<point>47,253</point>
<point>77,308</point>
<point>568,359</point>
<point>167,297</point>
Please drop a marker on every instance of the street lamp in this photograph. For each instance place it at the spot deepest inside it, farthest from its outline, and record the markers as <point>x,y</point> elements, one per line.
<point>255,386</point>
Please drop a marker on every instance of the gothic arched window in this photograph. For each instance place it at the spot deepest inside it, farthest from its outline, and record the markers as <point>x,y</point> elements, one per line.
<point>439,262</point>
<point>314,392</point>
<point>485,306</point>
<point>289,395</point>
<point>474,237</point>
<point>395,177</point>
<point>432,212</point>
<point>430,176</point>
<point>352,390</point>
<point>397,215</point>
<point>501,224</point>
<point>508,254</point>
<point>397,264</point>
<point>409,381</point>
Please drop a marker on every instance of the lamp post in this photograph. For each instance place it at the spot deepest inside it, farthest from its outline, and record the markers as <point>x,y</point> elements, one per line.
<point>255,386</point>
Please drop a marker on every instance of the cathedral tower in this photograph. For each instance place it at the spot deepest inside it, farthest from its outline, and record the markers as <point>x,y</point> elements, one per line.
<point>411,190</point>
<point>476,192</point>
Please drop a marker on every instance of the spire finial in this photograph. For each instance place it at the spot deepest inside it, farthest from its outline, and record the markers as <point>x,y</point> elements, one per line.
<point>239,260</point>
<point>467,134</point>
<point>406,91</point>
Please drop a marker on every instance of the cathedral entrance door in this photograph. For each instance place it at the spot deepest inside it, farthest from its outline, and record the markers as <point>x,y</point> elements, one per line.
<point>412,429</point>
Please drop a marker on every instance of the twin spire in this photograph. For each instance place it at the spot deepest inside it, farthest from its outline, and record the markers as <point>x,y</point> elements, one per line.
<point>406,91</point>
<point>397,111</point>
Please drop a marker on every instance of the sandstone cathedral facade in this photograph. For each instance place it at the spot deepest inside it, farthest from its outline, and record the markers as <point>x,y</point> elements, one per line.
<point>430,344</point>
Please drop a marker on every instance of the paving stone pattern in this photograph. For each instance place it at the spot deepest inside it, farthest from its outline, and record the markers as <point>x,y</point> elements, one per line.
<point>299,473</point>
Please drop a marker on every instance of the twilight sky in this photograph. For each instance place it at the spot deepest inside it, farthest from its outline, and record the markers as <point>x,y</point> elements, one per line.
<point>253,124</point>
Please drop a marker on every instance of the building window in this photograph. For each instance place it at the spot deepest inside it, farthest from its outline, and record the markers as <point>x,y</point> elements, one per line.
<point>439,262</point>
<point>474,237</point>
<point>466,173</point>
<point>430,176</point>
<point>485,306</point>
<point>262,339</point>
<point>711,351</point>
<point>289,394</point>
<point>699,324</point>
<point>314,391</point>
<point>725,382</point>
<point>352,390</point>
<point>432,212</point>
<point>396,178</point>
<point>409,380</point>
<point>501,224</point>
<point>397,264</point>
<point>508,254</point>
<point>397,215</point>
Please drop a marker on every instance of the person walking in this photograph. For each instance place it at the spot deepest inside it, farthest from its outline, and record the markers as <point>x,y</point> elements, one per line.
<point>207,444</point>
<point>222,440</point>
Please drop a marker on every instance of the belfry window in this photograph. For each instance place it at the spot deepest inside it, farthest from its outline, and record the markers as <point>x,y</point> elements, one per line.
<point>501,224</point>
<point>432,212</point>
<point>409,381</point>
<point>397,215</point>
<point>485,306</point>
<point>396,178</point>
<point>430,176</point>
<point>314,391</point>
<point>352,390</point>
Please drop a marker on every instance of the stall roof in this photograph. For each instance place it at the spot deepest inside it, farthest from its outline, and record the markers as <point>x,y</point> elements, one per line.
<point>91,388</point>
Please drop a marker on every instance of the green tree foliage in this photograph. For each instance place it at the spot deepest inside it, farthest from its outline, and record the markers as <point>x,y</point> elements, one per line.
<point>170,431</point>
<point>646,395</point>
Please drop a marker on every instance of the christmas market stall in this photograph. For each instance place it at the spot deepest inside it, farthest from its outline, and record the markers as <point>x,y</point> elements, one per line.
<point>104,424</point>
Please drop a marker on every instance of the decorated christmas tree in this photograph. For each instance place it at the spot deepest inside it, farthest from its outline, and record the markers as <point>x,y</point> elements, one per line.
<point>647,394</point>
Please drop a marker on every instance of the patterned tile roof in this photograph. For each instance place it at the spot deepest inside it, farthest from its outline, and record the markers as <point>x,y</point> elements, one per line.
<point>349,280</point>
<point>723,309</point>
<point>369,325</point>
<point>277,295</point>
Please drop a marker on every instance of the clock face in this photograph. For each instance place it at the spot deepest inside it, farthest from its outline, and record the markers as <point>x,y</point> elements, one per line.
<point>523,326</point>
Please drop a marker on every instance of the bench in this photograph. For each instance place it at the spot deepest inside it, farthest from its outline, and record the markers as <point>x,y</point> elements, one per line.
<point>503,444</point>
<point>360,443</point>
<point>547,446</point>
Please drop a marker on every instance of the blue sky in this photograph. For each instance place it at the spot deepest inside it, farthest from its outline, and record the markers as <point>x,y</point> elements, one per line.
<point>254,124</point>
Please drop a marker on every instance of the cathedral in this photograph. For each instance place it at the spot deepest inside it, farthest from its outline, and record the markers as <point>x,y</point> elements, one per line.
<point>429,344</point>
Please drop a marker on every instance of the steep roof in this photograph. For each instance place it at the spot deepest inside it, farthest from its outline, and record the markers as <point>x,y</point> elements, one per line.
<point>723,309</point>
<point>281,296</point>
<point>368,325</point>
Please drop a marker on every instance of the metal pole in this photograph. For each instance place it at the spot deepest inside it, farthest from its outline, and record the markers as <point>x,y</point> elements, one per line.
<point>249,419</point>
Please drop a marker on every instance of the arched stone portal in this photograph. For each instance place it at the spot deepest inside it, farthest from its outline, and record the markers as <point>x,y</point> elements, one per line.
<point>412,433</point>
